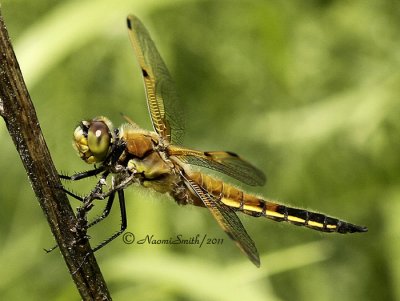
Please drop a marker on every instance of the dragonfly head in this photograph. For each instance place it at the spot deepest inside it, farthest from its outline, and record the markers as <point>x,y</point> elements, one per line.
<point>93,139</point>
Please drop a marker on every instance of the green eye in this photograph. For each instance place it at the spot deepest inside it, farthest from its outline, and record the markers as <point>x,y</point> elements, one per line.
<point>98,140</point>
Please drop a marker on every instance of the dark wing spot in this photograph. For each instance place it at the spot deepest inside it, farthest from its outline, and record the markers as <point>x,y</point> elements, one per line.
<point>128,22</point>
<point>144,72</point>
<point>232,154</point>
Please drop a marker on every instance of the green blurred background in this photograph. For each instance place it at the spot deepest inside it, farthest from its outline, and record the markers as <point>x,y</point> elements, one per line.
<point>306,90</point>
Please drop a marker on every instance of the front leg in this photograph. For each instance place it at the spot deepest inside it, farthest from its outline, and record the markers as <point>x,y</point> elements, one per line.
<point>81,225</point>
<point>124,222</point>
<point>96,193</point>
<point>83,174</point>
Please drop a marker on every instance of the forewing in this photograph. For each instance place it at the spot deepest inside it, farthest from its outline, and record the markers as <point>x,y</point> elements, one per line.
<point>228,220</point>
<point>165,113</point>
<point>226,162</point>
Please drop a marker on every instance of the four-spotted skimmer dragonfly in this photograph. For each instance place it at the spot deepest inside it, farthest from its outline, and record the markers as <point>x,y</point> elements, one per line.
<point>155,160</point>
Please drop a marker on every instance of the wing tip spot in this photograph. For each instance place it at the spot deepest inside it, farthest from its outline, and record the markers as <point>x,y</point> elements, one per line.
<point>232,154</point>
<point>128,22</point>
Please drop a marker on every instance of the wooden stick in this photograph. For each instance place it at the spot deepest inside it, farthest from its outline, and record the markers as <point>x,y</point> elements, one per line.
<point>18,112</point>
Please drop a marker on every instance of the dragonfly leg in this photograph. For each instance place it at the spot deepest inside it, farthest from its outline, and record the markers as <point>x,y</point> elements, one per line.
<point>106,211</point>
<point>83,174</point>
<point>84,226</point>
<point>124,222</point>
<point>81,215</point>
<point>96,193</point>
<point>74,195</point>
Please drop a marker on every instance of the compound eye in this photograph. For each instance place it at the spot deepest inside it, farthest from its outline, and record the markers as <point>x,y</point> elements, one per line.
<point>99,139</point>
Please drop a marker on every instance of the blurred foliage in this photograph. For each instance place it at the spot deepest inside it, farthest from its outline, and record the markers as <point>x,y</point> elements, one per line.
<point>306,90</point>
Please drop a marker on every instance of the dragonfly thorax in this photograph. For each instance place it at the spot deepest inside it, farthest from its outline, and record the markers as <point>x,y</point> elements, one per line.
<point>138,142</point>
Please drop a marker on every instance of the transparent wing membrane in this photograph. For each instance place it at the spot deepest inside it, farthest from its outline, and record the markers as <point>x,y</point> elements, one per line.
<point>224,162</point>
<point>166,114</point>
<point>228,220</point>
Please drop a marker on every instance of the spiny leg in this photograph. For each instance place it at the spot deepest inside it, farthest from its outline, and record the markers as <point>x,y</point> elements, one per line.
<point>124,222</point>
<point>83,174</point>
<point>74,195</point>
<point>111,196</point>
<point>80,225</point>
<point>79,176</point>
<point>96,193</point>
<point>106,211</point>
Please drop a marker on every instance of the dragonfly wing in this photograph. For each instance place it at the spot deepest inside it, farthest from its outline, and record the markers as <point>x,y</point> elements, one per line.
<point>228,220</point>
<point>166,115</point>
<point>225,162</point>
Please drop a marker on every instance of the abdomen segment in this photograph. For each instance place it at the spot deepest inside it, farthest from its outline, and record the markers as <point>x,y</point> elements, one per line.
<point>254,206</point>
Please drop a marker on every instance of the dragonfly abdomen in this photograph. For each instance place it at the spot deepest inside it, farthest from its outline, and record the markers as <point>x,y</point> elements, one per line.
<point>255,206</point>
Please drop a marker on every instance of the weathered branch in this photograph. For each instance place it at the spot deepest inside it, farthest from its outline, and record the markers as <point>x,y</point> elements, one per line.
<point>20,117</point>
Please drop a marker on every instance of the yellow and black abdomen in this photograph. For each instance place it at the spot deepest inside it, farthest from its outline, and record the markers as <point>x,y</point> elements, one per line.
<point>255,206</point>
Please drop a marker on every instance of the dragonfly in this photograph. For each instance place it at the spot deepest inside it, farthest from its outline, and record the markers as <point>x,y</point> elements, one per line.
<point>156,160</point>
